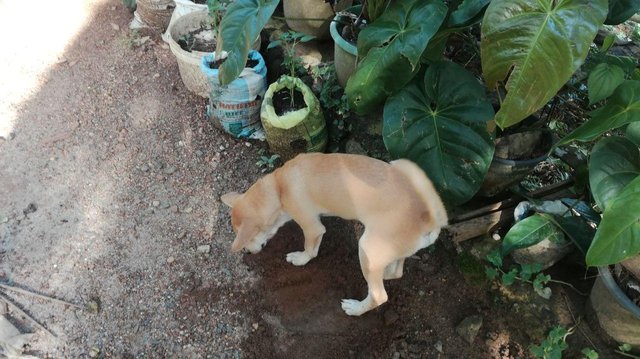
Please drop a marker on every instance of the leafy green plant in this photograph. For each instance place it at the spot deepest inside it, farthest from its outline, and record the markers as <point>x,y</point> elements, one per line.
<point>553,346</point>
<point>267,162</point>
<point>589,353</point>
<point>334,103</point>
<point>625,350</point>
<point>526,273</point>
<point>288,41</point>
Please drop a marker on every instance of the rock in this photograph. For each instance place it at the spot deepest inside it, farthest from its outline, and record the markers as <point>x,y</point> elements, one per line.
<point>390,317</point>
<point>32,207</point>
<point>255,326</point>
<point>468,329</point>
<point>199,153</point>
<point>144,168</point>
<point>94,352</point>
<point>174,209</point>
<point>438,346</point>
<point>187,210</point>
<point>354,147</point>
<point>170,260</point>
<point>155,203</point>
<point>4,219</point>
<point>396,355</point>
<point>170,170</point>
<point>115,27</point>
<point>205,248</point>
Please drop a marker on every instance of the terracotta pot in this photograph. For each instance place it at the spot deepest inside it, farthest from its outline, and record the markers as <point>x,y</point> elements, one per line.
<point>318,15</point>
<point>345,53</point>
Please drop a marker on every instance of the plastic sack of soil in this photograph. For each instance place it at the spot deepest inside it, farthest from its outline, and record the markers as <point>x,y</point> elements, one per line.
<point>183,7</point>
<point>294,132</point>
<point>152,13</point>
<point>236,106</point>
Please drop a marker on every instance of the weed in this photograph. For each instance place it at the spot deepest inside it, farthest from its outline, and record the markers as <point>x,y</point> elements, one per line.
<point>288,41</point>
<point>334,103</point>
<point>266,162</point>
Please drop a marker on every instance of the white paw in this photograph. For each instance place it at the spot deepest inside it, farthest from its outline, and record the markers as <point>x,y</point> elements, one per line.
<point>298,258</point>
<point>353,307</point>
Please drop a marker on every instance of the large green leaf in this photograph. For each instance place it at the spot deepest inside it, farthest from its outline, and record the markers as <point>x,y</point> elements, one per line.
<point>439,121</point>
<point>621,10</point>
<point>622,107</point>
<point>614,162</point>
<point>239,28</point>
<point>603,80</point>
<point>633,132</point>
<point>390,49</point>
<point>618,236</point>
<point>538,45</point>
<point>530,231</point>
<point>577,230</point>
<point>467,13</point>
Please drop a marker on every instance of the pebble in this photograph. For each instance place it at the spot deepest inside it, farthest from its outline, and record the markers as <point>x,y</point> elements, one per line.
<point>396,355</point>
<point>171,260</point>
<point>199,153</point>
<point>170,170</point>
<point>205,248</point>
<point>156,203</point>
<point>187,210</point>
<point>115,26</point>
<point>156,75</point>
<point>438,346</point>
<point>144,168</point>
<point>174,209</point>
<point>390,317</point>
<point>4,220</point>
<point>165,205</point>
<point>94,352</point>
<point>255,326</point>
<point>468,329</point>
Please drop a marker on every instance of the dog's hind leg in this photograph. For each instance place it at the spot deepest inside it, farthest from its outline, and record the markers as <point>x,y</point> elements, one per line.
<point>394,269</point>
<point>374,258</point>
<point>313,232</point>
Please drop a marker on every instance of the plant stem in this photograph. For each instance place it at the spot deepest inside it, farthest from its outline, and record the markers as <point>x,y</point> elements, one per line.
<point>626,354</point>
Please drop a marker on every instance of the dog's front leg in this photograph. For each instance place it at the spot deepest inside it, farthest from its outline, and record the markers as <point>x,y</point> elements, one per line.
<point>313,232</point>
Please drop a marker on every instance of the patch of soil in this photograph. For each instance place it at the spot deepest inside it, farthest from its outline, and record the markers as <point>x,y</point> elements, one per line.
<point>216,64</point>
<point>282,101</point>
<point>296,311</point>
<point>201,39</point>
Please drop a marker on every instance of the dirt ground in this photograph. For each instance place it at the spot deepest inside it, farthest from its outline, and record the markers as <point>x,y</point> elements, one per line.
<point>109,187</point>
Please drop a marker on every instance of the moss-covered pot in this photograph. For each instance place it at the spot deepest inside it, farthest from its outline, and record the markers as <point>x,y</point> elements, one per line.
<point>512,159</point>
<point>617,315</point>
<point>311,17</point>
<point>294,132</point>
<point>345,53</point>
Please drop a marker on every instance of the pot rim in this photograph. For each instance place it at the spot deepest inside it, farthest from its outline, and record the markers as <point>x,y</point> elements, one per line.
<point>338,39</point>
<point>612,286</point>
<point>529,162</point>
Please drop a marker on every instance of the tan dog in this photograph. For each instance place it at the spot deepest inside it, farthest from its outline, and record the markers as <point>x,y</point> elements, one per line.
<point>396,203</point>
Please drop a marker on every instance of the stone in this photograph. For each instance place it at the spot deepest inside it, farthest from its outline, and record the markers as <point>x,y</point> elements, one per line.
<point>469,327</point>
<point>156,203</point>
<point>205,248</point>
<point>390,317</point>
<point>355,148</point>
<point>94,352</point>
<point>170,260</point>
<point>438,346</point>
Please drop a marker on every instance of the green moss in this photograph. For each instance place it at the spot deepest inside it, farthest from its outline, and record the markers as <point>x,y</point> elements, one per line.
<point>472,269</point>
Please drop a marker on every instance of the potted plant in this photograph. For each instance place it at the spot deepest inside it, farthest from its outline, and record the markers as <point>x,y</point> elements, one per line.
<point>236,107</point>
<point>312,17</point>
<point>291,114</point>
<point>191,37</point>
<point>345,52</point>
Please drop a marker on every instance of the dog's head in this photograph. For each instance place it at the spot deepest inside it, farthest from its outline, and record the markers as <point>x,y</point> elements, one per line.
<point>255,221</point>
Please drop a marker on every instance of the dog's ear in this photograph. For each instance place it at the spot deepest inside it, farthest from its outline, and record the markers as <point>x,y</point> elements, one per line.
<point>230,198</point>
<point>245,234</point>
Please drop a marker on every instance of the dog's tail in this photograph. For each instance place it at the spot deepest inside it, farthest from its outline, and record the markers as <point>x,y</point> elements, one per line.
<point>425,189</point>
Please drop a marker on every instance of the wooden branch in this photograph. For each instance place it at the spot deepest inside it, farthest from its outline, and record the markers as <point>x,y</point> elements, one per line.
<point>23,291</point>
<point>483,220</point>
<point>24,314</point>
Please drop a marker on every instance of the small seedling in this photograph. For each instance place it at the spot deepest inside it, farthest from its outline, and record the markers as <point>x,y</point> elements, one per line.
<point>333,99</point>
<point>625,350</point>
<point>590,353</point>
<point>523,273</point>
<point>288,41</point>
<point>554,345</point>
<point>266,162</point>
